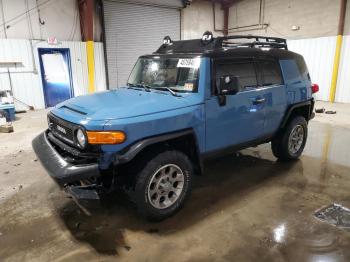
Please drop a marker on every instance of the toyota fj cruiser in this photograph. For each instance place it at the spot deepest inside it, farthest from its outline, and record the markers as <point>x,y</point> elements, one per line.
<point>188,101</point>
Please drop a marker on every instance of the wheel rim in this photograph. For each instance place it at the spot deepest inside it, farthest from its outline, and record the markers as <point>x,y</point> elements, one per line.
<point>296,139</point>
<point>166,186</point>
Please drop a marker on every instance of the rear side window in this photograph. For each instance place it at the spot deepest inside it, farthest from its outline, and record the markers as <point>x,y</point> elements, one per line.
<point>295,70</point>
<point>244,70</point>
<point>271,73</point>
<point>302,68</point>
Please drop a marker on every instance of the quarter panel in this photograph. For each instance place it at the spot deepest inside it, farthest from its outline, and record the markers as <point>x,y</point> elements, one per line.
<point>276,106</point>
<point>297,88</point>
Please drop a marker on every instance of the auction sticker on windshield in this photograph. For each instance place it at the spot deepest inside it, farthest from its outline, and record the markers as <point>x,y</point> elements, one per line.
<point>188,86</point>
<point>188,62</point>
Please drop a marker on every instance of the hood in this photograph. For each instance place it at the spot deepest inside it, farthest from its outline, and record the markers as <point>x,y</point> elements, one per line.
<point>126,103</point>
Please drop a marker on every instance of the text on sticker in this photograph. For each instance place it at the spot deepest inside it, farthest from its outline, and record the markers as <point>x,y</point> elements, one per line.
<point>188,62</point>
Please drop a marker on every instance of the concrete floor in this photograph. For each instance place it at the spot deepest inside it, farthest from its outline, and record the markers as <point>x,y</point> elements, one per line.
<point>246,207</point>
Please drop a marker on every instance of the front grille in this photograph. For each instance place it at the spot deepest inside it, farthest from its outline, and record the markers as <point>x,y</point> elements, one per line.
<point>62,129</point>
<point>71,154</point>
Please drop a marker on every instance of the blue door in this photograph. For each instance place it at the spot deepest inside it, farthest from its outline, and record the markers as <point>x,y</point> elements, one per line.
<point>56,75</point>
<point>275,94</point>
<point>241,119</point>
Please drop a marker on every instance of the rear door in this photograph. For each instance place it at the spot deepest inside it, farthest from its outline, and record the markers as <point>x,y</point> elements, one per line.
<point>275,94</point>
<point>241,119</point>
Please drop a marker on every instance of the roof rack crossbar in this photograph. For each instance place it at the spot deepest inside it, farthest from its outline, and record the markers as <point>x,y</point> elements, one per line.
<point>256,37</point>
<point>259,41</point>
<point>255,44</point>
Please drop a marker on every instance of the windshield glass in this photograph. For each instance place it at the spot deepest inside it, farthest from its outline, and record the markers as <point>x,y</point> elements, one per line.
<point>178,74</point>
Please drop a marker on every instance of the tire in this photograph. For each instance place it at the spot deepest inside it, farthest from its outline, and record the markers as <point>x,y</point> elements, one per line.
<point>150,188</point>
<point>296,131</point>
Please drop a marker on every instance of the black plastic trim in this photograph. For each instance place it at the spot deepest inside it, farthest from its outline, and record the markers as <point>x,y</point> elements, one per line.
<point>309,103</point>
<point>58,168</point>
<point>131,151</point>
<point>69,149</point>
<point>90,192</point>
<point>234,148</point>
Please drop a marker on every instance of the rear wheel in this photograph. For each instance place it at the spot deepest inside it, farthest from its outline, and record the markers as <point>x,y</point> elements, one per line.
<point>163,185</point>
<point>290,144</point>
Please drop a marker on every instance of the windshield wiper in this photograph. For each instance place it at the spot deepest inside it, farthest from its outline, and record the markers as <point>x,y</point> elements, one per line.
<point>168,89</point>
<point>132,86</point>
<point>146,87</point>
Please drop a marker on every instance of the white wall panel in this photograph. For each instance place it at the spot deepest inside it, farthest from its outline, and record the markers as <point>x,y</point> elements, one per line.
<point>23,79</point>
<point>100,69</point>
<point>26,81</point>
<point>343,86</point>
<point>16,50</point>
<point>318,54</point>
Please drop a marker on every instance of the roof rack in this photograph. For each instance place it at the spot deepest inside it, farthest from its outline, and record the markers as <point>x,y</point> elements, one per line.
<point>208,43</point>
<point>259,41</point>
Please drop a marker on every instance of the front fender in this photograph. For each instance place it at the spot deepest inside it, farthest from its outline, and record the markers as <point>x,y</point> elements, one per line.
<point>141,127</point>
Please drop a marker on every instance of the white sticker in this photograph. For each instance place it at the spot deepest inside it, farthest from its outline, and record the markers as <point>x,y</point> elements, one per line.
<point>188,86</point>
<point>188,62</point>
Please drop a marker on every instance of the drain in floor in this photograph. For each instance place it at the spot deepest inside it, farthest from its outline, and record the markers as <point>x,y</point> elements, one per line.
<point>335,214</point>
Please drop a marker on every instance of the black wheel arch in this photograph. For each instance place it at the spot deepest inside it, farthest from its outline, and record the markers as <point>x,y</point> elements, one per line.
<point>304,109</point>
<point>182,140</point>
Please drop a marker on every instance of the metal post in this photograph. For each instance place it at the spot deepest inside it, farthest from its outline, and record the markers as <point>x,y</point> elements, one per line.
<point>226,16</point>
<point>338,47</point>
<point>86,11</point>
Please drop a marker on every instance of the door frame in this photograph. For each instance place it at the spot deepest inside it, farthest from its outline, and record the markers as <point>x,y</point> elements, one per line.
<point>214,96</point>
<point>43,50</point>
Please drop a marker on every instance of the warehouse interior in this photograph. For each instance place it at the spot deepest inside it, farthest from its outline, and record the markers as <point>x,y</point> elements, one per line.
<point>246,206</point>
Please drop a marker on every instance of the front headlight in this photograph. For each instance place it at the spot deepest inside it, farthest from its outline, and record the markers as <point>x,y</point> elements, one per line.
<point>81,138</point>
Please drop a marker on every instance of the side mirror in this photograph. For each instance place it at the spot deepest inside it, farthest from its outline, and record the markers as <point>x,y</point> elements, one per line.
<point>229,85</point>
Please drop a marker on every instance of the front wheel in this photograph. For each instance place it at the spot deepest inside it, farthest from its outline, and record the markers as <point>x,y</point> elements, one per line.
<point>290,144</point>
<point>163,185</point>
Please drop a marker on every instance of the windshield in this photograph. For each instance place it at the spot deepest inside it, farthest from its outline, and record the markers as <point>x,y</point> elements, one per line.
<point>177,74</point>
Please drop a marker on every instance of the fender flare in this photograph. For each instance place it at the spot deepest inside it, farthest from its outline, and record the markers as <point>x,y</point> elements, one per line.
<point>309,103</point>
<point>127,154</point>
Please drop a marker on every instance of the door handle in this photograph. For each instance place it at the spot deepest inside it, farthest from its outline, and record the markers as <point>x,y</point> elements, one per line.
<point>259,101</point>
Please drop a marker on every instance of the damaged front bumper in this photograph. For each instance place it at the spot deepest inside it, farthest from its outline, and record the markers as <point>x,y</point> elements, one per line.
<point>67,175</point>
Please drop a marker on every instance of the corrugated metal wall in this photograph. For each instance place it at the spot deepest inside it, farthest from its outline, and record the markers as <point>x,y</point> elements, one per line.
<point>133,30</point>
<point>343,87</point>
<point>100,68</point>
<point>27,86</point>
<point>26,81</point>
<point>319,55</point>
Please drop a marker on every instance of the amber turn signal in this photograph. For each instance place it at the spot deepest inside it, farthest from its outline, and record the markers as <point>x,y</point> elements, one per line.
<point>105,137</point>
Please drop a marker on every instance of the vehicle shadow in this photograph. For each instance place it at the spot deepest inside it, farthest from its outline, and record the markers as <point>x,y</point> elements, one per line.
<point>231,178</point>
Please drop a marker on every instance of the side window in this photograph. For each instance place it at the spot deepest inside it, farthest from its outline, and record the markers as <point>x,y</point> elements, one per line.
<point>295,70</point>
<point>244,70</point>
<point>271,73</point>
<point>302,68</point>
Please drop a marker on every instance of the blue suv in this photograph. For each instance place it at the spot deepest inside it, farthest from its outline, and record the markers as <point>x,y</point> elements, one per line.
<point>189,101</point>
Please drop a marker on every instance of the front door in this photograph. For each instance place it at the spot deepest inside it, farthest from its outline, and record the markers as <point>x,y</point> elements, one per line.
<point>241,119</point>
<point>56,75</point>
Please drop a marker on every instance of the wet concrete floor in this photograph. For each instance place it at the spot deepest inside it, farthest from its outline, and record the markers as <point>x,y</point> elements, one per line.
<point>247,207</point>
